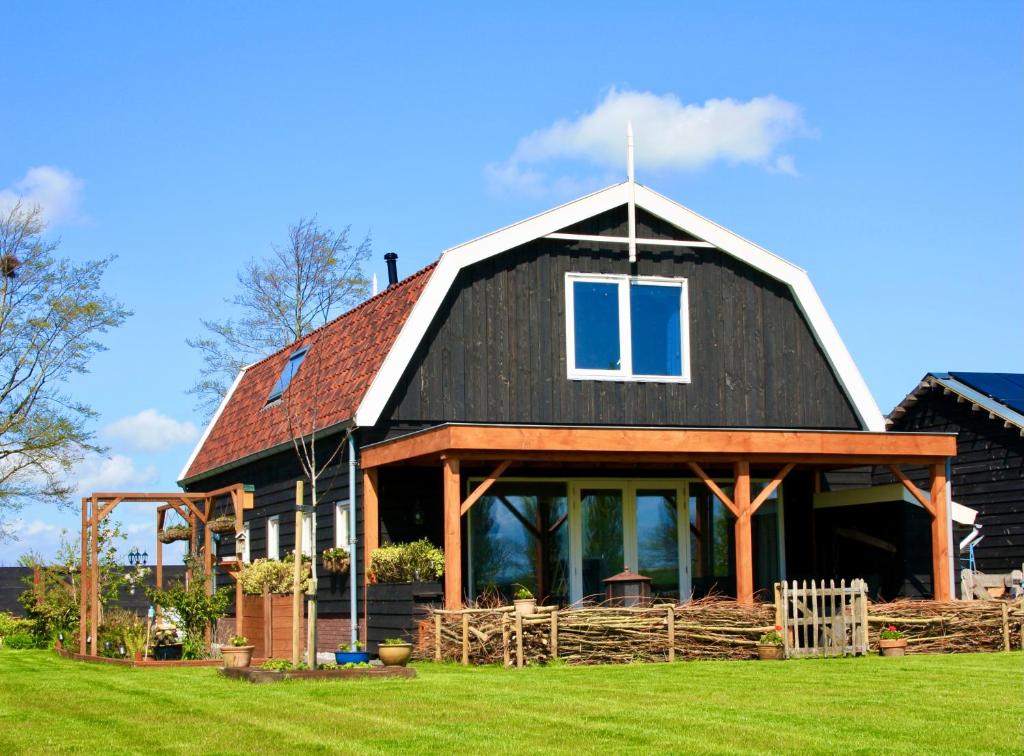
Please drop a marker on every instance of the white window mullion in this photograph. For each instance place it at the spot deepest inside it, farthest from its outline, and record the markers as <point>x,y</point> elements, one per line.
<point>625,331</point>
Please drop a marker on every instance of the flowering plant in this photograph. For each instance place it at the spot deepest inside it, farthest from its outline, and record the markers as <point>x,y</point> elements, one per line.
<point>772,637</point>
<point>891,633</point>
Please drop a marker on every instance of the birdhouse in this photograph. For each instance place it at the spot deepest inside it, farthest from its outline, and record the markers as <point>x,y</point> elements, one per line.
<point>628,589</point>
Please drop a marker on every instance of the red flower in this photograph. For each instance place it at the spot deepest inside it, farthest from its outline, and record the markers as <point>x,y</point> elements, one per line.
<point>892,627</point>
<point>778,628</point>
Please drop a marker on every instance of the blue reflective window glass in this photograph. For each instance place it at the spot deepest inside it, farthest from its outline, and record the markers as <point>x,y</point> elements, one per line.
<point>596,325</point>
<point>657,339</point>
<point>290,369</point>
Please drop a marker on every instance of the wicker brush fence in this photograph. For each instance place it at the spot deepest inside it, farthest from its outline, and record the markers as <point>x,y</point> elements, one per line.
<point>951,627</point>
<point>704,629</point>
<point>710,628</point>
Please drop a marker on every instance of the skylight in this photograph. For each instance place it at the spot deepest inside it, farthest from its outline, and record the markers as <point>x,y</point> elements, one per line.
<point>290,369</point>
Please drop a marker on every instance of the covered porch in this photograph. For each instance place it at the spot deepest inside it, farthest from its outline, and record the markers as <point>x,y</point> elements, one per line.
<point>689,505</point>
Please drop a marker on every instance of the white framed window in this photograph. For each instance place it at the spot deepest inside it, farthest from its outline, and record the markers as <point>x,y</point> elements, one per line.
<point>341,525</point>
<point>246,531</point>
<point>274,537</point>
<point>307,534</point>
<point>627,328</point>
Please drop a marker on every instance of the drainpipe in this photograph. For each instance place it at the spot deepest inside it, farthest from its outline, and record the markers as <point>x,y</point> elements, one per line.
<point>353,563</point>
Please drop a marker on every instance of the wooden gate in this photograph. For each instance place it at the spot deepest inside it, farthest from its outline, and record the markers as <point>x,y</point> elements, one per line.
<point>820,620</point>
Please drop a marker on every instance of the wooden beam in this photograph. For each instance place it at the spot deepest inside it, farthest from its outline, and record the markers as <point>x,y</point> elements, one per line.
<point>83,587</point>
<point>452,535</point>
<point>109,507</point>
<point>706,479</point>
<point>198,513</point>
<point>768,490</point>
<point>94,580</point>
<point>512,441</point>
<point>744,540</point>
<point>916,492</point>
<point>371,517</point>
<point>940,535</point>
<point>481,489</point>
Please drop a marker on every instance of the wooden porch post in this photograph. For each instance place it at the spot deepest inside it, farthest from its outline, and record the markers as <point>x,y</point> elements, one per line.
<point>371,516</point>
<point>452,535</point>
<point>940,535</point>
<point>94,581</point>
<point>744,541</point>
<point>84,580</point>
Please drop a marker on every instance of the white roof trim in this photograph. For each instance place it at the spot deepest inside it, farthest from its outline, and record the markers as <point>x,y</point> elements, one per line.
<point>455,259</point>
<point>213,422</point>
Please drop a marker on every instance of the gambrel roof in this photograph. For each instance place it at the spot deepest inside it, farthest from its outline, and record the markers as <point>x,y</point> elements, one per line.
<point>379,338</point>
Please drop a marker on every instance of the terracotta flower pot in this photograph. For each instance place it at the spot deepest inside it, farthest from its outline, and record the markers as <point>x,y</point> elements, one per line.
<point>236,656</point>
<point>526,607</point>
<point>395,655</point>
<point>896,647</point>
<point>770,652</point>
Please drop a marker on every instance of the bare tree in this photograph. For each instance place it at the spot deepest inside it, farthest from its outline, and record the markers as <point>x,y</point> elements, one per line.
<point>51,312</point>
<point>281,298</point>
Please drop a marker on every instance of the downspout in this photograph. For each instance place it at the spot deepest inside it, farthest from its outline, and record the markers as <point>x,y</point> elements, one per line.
<point>353,563</point>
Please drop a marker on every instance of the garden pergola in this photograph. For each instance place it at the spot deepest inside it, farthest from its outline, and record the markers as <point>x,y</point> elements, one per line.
<point>195,508</point>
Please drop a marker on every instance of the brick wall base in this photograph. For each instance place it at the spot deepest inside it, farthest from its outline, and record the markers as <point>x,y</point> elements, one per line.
<point>330,631</point>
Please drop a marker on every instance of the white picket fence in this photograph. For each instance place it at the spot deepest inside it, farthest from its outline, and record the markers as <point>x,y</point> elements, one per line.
<point>823,620</point>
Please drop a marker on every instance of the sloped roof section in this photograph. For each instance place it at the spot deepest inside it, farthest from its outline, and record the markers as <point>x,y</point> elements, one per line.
<point>344,356</point>
<point>1001,395</point>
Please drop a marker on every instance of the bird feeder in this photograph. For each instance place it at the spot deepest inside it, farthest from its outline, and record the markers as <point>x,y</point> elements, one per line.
<point>628,589</point>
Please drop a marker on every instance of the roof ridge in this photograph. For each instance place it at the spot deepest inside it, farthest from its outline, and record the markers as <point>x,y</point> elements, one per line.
<point>387,291</point>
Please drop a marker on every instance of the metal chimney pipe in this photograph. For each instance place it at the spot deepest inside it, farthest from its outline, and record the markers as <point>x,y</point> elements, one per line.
<point>392,260</point>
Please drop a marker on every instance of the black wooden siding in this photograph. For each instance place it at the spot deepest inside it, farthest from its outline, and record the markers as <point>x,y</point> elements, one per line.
<point>496,350</point>
<point>987,473</point>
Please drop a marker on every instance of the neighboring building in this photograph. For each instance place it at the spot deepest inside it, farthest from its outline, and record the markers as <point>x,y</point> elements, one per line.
<point>615,382</point>
<point>986,412</point>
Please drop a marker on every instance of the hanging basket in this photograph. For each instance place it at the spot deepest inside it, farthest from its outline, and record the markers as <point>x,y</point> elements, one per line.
<point>174,533</point>
<point>222,524</point>
<point>337,565</point>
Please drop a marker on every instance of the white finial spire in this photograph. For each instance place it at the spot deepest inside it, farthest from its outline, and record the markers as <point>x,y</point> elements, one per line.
<point>632,191</point>
<point>374,285</point>
<point>630,171</point>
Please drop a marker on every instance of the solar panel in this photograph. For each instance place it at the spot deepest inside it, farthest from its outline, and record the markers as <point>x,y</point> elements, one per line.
<point>1005,388</point>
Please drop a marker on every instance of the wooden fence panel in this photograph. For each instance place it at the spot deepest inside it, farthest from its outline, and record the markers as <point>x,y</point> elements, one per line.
<point>824,620</point>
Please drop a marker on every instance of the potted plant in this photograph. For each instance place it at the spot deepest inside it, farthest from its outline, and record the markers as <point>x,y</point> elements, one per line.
<point>335,560</point>
<point>167,645</point>
<point>892,642</point>
<point>222,524</point>
<point>524,601</point>
<point>175,533</point>
<point>394,652</point>
<point>238,652</point>
<point>770,646</point>
<point>351,653</point>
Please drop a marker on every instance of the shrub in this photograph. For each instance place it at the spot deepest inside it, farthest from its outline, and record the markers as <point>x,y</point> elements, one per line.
<point>407,562</point>
<point>274,575</point>
<point>523,593</point>
<point>21,640</point>
<point>772,637</point>
<point>11,624</point>
<point>238,641</point>
<point>394,642</point>
<point>194,607</point>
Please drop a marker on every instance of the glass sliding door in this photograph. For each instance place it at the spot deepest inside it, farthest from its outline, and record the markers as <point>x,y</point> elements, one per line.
<point>658,543</point>
<point>712,554</point>
<point>601,538</point>
<point>518,535</point>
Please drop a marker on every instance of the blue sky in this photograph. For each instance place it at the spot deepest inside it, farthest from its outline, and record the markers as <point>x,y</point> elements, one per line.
<point>877,145</point>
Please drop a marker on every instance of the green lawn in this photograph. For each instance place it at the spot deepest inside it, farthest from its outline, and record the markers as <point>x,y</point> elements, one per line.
<point>918,704</point>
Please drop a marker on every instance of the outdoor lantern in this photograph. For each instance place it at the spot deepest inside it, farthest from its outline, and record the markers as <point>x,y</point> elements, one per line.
<point>122,650</point>
<point>240,544</point>
<point>628,589</point>
<point>106,645</point>
<point>145,558</point>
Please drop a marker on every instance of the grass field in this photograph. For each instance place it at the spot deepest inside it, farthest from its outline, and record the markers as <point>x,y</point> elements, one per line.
<point>949,704</point>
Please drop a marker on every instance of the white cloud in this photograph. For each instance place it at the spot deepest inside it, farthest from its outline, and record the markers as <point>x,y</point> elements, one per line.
<point>670,135</point>
<point>116,473</point>
<point>56,191</point>
<point>150,431</point>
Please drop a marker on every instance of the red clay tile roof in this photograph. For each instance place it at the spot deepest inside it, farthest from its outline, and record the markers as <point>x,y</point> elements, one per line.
<point>344,356</point>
